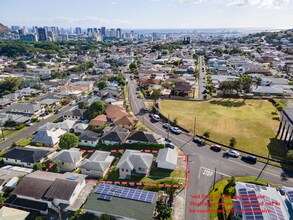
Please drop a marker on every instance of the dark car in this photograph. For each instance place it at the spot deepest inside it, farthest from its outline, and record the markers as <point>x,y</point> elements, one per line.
<point>168,139</point>
<point>57,111</point>
<point>170,145</point>
<point>216,148</point>
<point>198,141</point>
<point>249,158</point>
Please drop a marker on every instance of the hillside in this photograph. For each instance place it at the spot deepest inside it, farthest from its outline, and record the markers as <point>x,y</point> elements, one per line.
<point>4,29</point>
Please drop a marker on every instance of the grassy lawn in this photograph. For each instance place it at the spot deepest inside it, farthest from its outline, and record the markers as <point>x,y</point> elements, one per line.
<point>220,188</point>
<point>24,142</point>
<point>10,134</point>
<point>251,122</point>
<point>156,176</point>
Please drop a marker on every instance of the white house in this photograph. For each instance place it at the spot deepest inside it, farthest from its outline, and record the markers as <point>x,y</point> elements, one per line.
<point>70,159</point>
<point>88,138</point>
<point>41,191</point>
<point>167,158</point>
<point>97,165</point>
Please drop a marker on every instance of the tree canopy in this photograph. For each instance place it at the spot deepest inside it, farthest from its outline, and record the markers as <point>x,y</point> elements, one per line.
<point>96,108</point>
<point>68,141</point>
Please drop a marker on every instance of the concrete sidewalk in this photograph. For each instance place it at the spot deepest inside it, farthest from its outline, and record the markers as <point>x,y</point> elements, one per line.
<point>179,206</point>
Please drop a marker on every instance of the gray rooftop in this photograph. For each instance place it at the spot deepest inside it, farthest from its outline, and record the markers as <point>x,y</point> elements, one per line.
<point>121,207</point>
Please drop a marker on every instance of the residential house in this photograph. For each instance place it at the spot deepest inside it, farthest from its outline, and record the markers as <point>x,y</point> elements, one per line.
<point>134,162</point>
<point>48,137</point>
<point>26,92</point>
<point>98,121</point>
<point>115,111</point>
<point>66,125</point>
<point>75,114</point>
<point>41,191</point>
<point>13,96</point>
<point>116,135</point>
<point>70,159</point>
<point>182,89</point>
<point>29,109</point>
<point>167,158</point>
<point>80,127</point>
<point>145,83</point>
<point>7,213</point>
<point>50,102</point>
<point>97,165</point>
<point>142,137</point>
<point>26,156</point>
<point>89,138</point>
<point>125,122</point>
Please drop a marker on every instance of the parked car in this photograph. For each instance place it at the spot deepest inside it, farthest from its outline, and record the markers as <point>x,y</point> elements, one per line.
<point>198,141</point>
<point>166,125</point>
<point>156,117</point>
<point>170,145</point>
<point>249,158</point>
<point>216,148</point>
<point>233,153</point>
<point>175,130</point>
<point>29,123</point>
<point>57,111</point>
<point>167,139</point>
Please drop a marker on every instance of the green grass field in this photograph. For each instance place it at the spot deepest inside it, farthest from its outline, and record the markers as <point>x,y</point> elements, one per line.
<point>251,122</point>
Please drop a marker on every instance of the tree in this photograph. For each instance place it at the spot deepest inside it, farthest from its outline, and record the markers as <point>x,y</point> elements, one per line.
<point>81,105</point>
<point>38,166</point>
<point>289,156</point>
<point>206,134</point>
<point>246,83</point>
<point>68,141</point>
<point>133,67</point>
<point>20,65</point>
<point>165,212</point>
<point>155,95</point>
<point>258,81</point>
<point>10,84</point>
<point>41,64</point>
<point>232,142</point>
<point>102,84</point>
<point>96,108</point>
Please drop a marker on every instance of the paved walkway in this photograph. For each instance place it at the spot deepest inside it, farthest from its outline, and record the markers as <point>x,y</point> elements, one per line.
<point>82,197</point>
<point>179,206</point>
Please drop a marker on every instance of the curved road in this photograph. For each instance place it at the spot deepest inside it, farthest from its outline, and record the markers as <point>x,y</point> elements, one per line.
<point>203,162</point>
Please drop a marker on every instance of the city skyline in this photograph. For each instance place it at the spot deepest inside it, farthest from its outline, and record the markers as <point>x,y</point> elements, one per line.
<point>163,14</point>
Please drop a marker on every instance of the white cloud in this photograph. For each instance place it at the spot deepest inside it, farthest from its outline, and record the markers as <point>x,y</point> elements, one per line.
<point>192,1</point>
<point>260,3</point>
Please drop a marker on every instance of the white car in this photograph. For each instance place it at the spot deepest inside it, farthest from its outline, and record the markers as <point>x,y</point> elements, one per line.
<point>156,117</point>
<point>233,153</point>
<point>175,130</point>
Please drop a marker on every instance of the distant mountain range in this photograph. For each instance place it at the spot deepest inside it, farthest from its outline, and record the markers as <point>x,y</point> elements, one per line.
<point>4,29</point>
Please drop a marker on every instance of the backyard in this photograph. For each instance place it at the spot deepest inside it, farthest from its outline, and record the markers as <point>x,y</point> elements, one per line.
<point>252,122</point>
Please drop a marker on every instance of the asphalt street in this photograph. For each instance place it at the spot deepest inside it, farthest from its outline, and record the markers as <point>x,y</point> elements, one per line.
<point>202,161</point>
<point>28,132</point>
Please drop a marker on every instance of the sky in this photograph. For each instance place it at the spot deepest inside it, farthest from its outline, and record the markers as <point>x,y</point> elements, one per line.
<point>149,14</point>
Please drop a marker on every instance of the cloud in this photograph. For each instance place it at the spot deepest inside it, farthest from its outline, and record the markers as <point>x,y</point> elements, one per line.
<point>192,1</point>
<point>260,3</point>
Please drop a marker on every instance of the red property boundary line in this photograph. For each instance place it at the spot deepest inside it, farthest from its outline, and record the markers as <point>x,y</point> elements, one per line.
<point>136,183</point>
<point>120,151</point>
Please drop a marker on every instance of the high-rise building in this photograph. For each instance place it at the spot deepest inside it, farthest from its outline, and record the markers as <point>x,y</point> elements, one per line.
<point>89,30</point>
<point>96,30</point>
<point>103,31</point>
<point>51,36</point>
<point>42,34</point>
<point>29,37</point>
<point>15,28</point>
<point>78,30</point>
<point>118,33</point>
<point>112,32</point>
<point>64,37</point>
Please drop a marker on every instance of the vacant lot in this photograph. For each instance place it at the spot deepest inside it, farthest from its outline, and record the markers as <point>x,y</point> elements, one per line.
<point>251,122</point>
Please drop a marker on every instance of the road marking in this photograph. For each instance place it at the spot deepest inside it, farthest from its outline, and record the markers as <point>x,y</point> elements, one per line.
<point>209,172</point>
<point>272,174</point>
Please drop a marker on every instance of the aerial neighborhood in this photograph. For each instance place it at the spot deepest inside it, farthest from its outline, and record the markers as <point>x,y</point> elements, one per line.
<point>94,123</point>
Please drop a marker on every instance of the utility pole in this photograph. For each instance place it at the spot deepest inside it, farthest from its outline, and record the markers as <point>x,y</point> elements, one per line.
<point>168,129</point>
<point>215,176</point>
<point>194,124</point>
<point>2,132</point>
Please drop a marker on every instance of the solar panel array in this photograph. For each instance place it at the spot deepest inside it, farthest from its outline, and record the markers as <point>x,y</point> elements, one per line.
<point>126,193</point>
<point>274,211</point>
<point>105,197</point>
<point>290,195</point>
<point>250,205</point>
